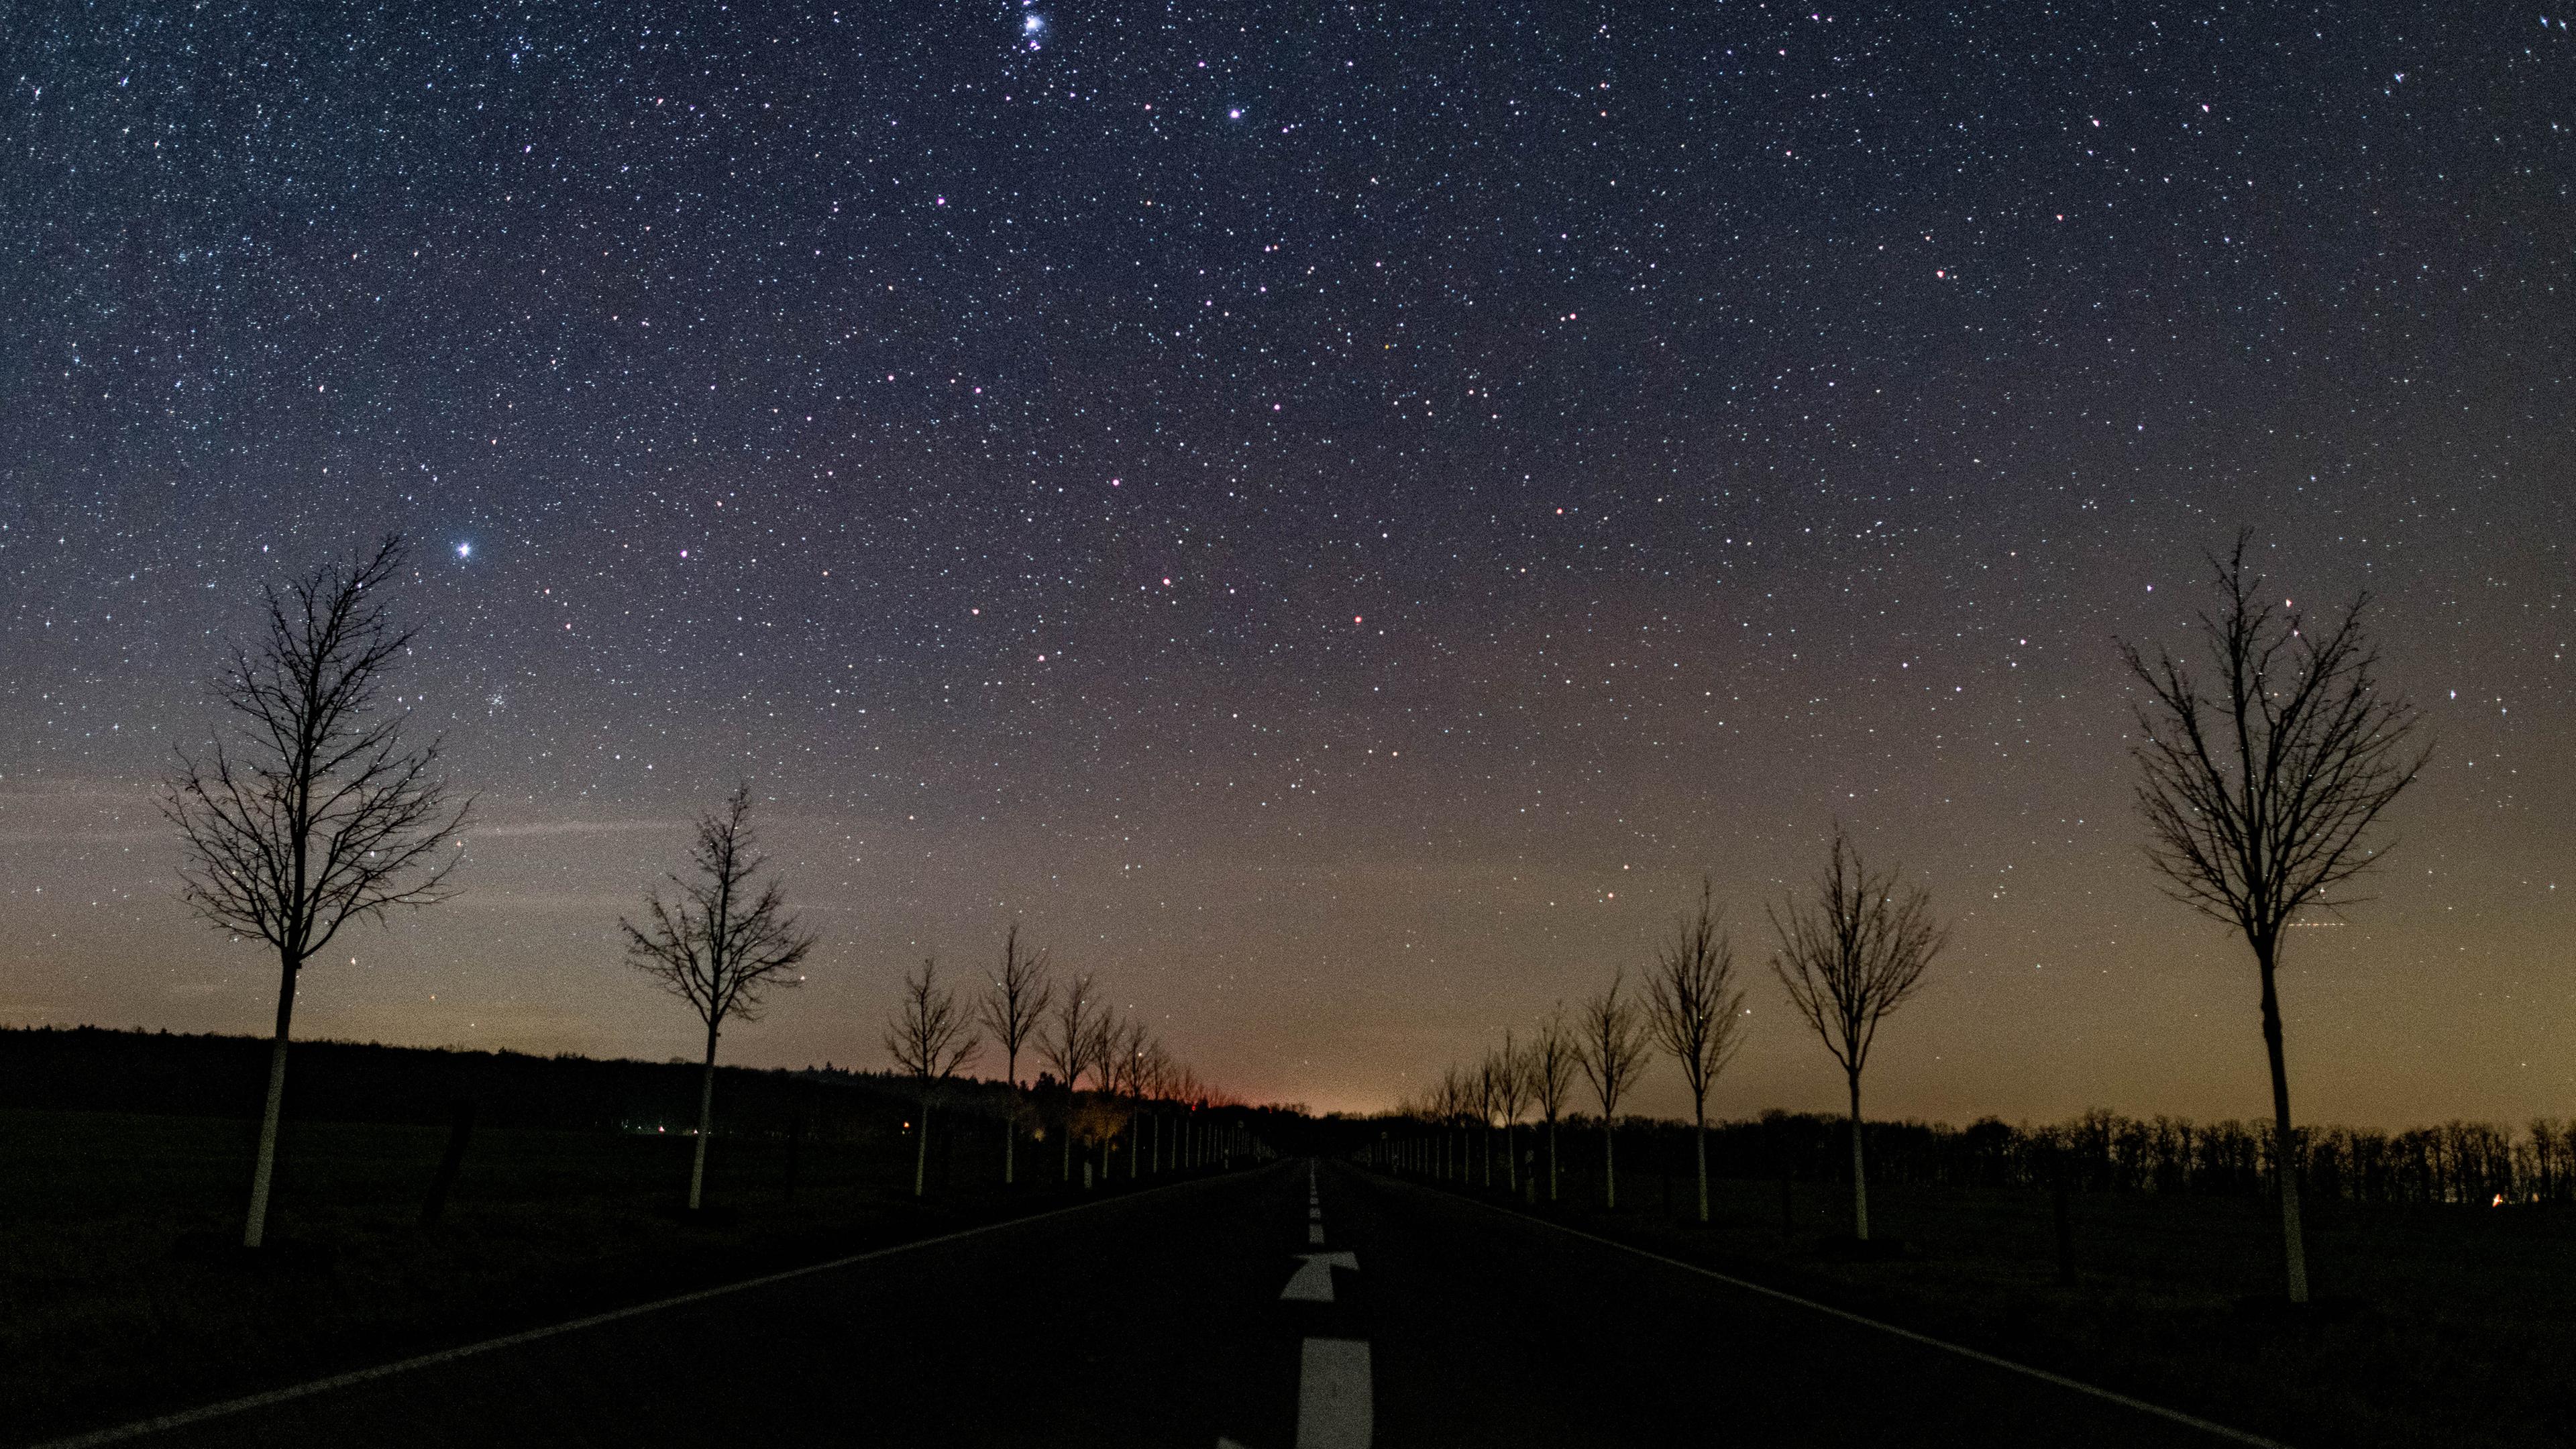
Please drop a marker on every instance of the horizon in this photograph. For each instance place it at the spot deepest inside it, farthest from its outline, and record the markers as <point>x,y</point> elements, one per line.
<point>1337,527</point>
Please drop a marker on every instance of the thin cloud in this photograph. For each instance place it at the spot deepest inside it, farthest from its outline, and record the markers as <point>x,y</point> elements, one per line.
<point>538,828</point>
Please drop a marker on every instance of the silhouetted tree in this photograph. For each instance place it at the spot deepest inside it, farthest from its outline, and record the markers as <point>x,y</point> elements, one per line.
<point>1695,1012</point>
<point>930,1036</point>
<point>317,812</point>
<point>1131,1052</point>
<point>1612,1052</point>
<point>2261,783</point>
<point>1554,1060</point>
<point>1850,955</point>
<point>1456,1099</point>
<point>1014,1005</point>
<point>1511,1094</point>
<point>721,942</point>
<point>1066,1045</point>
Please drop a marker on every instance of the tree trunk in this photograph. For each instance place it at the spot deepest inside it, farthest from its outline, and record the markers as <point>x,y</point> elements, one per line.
<point>706,1121</point>
<point>1860,1171</point>
<point>1511,1160</point>
<point>1609,1164</point>
<point>1699,1117</point>
<point>2284,1144</point>
<point>264,1167</point>
<point>921,1148</point>
<point>1010,1145</point>
<point>1551,1159</point>
<point>1068,1139</point>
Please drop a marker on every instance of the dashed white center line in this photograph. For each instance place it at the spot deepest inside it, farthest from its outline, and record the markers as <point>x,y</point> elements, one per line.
<point>1333,1395</point>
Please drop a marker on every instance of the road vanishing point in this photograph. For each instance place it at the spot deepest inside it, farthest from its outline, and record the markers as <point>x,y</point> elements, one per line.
<point>1302,1305</point>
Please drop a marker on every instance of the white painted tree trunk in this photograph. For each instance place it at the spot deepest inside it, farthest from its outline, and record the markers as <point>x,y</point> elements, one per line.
<point>2285,1156</point>
<point>256,1228</point>
<point>706,1122</point>
<point>1860,1170</point>
<point>921,1150</point>
<point>1699,1114</point>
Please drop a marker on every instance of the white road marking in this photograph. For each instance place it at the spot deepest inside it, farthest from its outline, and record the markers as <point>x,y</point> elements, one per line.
<point>1333,1395</point>
<point>1314,1277</point>
<point>1314,1215</point>
<point>1315,1233</point>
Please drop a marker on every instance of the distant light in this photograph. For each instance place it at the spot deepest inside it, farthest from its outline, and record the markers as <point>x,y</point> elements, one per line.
<point>1235,114</point>
<point>465,550</point>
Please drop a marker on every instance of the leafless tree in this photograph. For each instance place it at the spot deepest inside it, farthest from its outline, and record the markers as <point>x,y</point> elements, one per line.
<point>1612,1052</point>
<point>2262,781</point>
<point>930,1037</point>
<point>1511,1095</point>
<point>1695,1011</point>
<point>1131,1048</point>
<point>1014,1005</point>
<point>1850,955</point>
<point>721,941</point>
<point>310,810</point>
<point>1066,1047</point>
<point>1554,1060</point>
<point>1452,1100</point>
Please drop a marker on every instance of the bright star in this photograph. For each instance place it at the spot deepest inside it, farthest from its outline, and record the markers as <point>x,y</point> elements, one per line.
<point>1033,25</point>
<point>465,550</point>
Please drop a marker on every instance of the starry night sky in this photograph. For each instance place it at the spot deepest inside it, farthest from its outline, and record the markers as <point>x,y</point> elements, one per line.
<point>1336,515</point>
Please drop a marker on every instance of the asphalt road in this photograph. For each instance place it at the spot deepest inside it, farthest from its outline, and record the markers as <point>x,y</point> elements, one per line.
<point>1212,1313</point>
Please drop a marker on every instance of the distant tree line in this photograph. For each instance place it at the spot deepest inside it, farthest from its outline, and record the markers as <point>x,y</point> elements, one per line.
<point>2470,1164</point>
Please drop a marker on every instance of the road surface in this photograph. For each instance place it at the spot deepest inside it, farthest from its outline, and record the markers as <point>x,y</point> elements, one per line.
<point>1296,1307</point>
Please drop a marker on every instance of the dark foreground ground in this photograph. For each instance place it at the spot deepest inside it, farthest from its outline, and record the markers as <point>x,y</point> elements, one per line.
<point>118,1299</point>
<point>121,1295</point>
<point>2435,1324</point>
<point>1157,1318</point>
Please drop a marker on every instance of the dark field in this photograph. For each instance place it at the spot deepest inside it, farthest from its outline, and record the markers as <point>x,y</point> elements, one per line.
<point>2437,1324</point>
<point>120,1295</point>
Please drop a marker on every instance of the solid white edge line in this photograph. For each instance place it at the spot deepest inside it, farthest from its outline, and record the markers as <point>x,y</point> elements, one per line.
<point>1962,1350</point>
<point>185,1417</point>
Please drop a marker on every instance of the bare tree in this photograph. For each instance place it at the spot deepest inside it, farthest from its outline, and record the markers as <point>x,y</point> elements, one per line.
<point>1453,1100</point>
<point>1612,1052</point>
<point>930,1037</point>
<point>1014,1005</point>
<point>1108,1079</point>
<point>1554,1060</point>
<point>1511,1095</point>
<point>317,812</point>
<point>1694,1009</point>
<point>1066,1047</point>
<point>2262,782</point>
<point>1131,1049</point>
<point>720,942</point>
<point>1850,956</point>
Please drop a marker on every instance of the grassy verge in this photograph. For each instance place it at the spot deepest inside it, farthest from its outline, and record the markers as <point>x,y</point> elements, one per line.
<point>2448,1325</point>
<point>121,1297</point>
